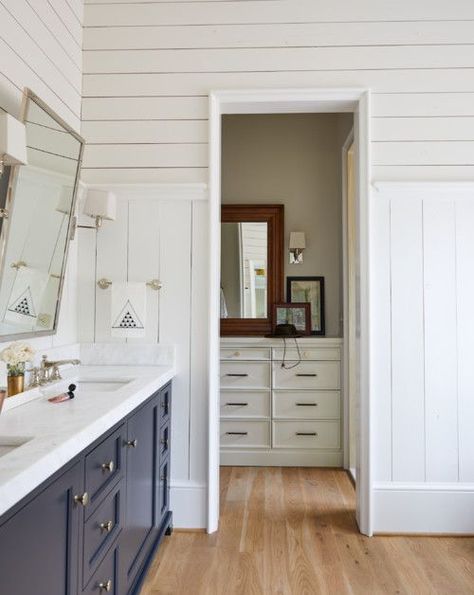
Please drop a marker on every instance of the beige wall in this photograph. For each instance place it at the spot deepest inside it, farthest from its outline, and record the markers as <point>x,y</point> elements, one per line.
<point>295,160</point>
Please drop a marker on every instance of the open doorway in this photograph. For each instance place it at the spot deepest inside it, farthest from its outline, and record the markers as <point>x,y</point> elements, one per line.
<point>227,102</point>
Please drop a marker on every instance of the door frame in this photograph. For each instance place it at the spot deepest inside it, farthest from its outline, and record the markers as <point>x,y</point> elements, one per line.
<point>284,101</point>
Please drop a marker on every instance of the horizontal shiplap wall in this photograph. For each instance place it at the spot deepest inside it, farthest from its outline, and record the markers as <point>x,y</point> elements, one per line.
<point>41,48</point>
<point>149,66</point>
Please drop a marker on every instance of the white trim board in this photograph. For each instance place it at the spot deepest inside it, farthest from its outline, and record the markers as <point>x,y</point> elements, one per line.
<point>179,191</point>
<point>189,500</point>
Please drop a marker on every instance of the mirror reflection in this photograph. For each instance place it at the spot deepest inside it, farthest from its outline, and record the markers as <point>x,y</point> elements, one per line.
<point>35,240</point>
<point>244,270</point>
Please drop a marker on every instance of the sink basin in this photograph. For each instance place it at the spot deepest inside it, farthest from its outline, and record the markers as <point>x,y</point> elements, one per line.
<point>9,443</point>
<point>100,386</point>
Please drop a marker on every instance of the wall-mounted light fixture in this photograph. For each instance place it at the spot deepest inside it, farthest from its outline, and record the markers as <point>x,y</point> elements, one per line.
<point>297,246</point>
<point>100,204</point>
<point>12,142</point>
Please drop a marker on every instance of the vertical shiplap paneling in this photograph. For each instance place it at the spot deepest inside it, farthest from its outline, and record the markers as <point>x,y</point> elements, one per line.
<point>175,319</point>
<point>112,250</point>
<point>465,331</point>
<point>381,336</point>
<point>440,340</point>
<point>408,406</point>
<point>86,284</point>
<point>144,258</point>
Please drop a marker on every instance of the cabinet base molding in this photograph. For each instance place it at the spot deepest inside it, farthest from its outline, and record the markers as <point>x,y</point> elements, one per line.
<point>281,458</point>
<point>189,505</point>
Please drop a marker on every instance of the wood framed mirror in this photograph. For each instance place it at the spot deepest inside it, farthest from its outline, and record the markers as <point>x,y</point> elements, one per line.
<point>251,267</point>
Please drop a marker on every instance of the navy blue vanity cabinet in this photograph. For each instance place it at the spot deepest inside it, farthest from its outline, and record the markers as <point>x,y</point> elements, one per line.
<point>39,543</point>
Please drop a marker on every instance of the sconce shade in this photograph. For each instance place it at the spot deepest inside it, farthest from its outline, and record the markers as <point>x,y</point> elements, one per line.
<point>12,140</point>
<point>297,240</point>
<point>100,203</point>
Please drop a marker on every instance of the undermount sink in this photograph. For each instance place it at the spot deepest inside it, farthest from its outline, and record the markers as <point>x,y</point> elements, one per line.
<point>9,443</point>
<point>100,386</point>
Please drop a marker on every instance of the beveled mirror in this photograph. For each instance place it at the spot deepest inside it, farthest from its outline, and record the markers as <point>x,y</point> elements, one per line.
<point>40,199</point>
<point>251,267</point>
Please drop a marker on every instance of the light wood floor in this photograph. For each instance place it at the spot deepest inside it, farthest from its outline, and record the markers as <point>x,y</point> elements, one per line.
<point>292,531</point>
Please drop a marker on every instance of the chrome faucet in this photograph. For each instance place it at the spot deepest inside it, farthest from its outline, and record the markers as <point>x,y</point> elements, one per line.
<point>48,371</point>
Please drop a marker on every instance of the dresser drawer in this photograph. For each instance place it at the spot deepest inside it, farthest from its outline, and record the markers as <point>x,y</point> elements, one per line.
<point>245,434</point>
<point>245,353</point>
<point>308,353</point>
<point>245,404</point>
<point>310,375</point>
<point>105,578</point>
<point>101,529</point>
<point>245,375</point>
<point>307,404</point>
<point>104,465</point>
<point>306,434</point>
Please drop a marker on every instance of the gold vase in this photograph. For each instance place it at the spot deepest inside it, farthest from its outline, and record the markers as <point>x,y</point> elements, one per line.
<point>16,384</point>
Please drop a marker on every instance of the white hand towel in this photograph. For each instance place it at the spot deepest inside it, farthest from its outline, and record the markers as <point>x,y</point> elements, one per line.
<point>25,297</point>
<point>128,311</point>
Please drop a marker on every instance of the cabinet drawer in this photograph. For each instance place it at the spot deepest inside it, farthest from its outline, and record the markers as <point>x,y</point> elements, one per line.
<point>308,353</point>
<point>307,404</point>
<point>101,529</point>
<point>164,441</point>
<point>104,465</point>
<point>164,489</point>
<point>306,434</point>
<point>245,375</point>
<point>245,404</point>
<point>246,353</point>
<point>310,375</point>
<point>105,578</point>
<point>245,434</point>
<point>165,404</point>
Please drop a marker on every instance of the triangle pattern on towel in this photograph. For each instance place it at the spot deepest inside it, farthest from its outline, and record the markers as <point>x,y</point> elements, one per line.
<point>24,304</point>
<point>128,319</point>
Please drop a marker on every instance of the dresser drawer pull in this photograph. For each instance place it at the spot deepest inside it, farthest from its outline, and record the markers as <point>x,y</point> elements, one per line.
<point>306,404</point>
<point>105,586</point>
<point>238,375</point>
<point>110,466</point>
<point>236,404</point>
<point>306,433</point>
<point>237,433</point>
<point>307,375</point>
<point>106,526</point>
<point>132,443</point>
<point>82,499</point>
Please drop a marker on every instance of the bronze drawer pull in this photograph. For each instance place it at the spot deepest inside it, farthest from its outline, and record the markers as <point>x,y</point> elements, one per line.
<point>132,443</point>
<point>105,586</point>
<point>306,433</point>
<point>82,499</point>
<point>306,404</point>
<point>110,466</point>
<point>236,433</point>
<point>236,404</point>
<point>107,526</point>
<point>307,375</point>
<point>238,375</point>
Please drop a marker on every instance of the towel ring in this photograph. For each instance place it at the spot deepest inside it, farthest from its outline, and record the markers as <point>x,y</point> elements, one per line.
<point>154,284</point>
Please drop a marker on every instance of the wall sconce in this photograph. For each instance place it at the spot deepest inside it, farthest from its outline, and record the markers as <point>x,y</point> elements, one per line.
<point>100,204</point>
<point>12,142</point>
<point>297,246</point>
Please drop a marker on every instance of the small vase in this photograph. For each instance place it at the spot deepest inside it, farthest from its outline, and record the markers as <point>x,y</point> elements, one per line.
<point>16,379</point>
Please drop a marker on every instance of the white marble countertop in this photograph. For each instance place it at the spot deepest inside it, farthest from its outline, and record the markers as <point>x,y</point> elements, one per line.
<point>56,433</point>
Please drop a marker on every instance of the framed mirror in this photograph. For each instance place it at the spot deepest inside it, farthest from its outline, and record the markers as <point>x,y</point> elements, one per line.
<point>251,267</point>
<point>34,239</point>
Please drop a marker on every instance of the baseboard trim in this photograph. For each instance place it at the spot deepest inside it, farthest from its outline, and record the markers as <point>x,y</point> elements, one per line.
<point>281,458</point>
<point>188,500</point>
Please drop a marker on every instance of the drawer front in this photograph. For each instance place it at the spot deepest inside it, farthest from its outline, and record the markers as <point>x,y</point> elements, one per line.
<point>245,434</point>
<point>245,404</point>
<point>101,529</point>
<point>245,375</point>
<point>308,375</point>
<point>105,579</point>
<point>165,404</point>
<point>164,489</point>
<point>104,465</point>
<point>306,434</point>
<point>246,353</point>
<point>164,441</point>
<point>307,404</point>
<point>308,353</point>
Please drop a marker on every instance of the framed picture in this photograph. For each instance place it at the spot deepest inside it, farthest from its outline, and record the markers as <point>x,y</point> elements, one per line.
<point>297,314</point>
<point>311,290</point>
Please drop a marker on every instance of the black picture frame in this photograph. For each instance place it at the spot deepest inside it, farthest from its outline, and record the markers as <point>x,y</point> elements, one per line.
<point>317,309</point>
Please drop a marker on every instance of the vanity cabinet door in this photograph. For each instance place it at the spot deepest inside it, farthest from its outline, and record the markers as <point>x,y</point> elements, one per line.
<point>140,528</point>
<point>39,544</point>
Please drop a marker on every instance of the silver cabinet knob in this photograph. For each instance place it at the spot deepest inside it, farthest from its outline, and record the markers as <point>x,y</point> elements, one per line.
<point>110,466</point>
<point>106,526</point>
<point>105,586</point>
<point>132,443</point>
<point>82,499</point>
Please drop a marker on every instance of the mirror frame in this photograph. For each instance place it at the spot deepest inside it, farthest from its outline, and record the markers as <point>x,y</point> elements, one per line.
<point>273,215</point>
<point>29,95</point>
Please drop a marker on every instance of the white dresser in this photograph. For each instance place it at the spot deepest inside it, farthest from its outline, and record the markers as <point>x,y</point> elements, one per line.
<point>276,416</point>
